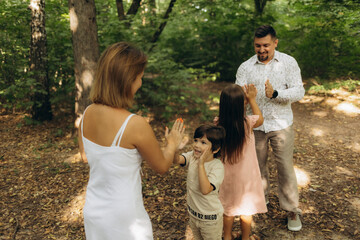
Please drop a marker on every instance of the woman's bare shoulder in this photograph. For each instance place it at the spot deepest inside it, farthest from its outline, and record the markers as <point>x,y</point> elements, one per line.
<point>138,124</point>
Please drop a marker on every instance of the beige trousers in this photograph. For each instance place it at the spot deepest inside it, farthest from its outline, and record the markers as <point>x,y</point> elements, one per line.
<point>282,144</point>
<point>206,230</point>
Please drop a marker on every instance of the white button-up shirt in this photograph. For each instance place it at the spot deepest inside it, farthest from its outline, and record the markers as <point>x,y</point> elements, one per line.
<point>284,75</point>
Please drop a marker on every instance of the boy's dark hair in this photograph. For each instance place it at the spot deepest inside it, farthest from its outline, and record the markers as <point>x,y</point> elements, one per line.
<point>215,134</point>
<point>264,30</point>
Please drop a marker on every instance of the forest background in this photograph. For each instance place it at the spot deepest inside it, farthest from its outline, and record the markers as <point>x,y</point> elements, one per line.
<point>188,42</point>
<point>48,54</point>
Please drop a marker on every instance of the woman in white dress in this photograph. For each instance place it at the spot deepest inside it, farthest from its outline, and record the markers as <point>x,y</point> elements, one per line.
<point>114,142</point>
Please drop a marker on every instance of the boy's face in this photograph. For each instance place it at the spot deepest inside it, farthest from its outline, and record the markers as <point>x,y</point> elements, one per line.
<point>200,145</point>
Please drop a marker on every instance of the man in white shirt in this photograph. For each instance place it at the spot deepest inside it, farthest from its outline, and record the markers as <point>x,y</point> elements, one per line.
<point>278,80</point>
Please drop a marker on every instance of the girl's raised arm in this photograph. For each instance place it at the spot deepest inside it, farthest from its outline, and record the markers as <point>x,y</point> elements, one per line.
<point>251,93</point>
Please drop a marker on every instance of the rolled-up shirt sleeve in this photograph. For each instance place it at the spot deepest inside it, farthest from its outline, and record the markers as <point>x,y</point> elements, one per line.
<point>295,90</point>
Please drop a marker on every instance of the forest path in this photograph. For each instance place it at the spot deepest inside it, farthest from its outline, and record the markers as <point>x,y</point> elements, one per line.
<point>43,181</point>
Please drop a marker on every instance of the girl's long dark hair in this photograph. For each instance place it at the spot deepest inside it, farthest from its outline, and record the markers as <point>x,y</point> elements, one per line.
<point>232,118</point>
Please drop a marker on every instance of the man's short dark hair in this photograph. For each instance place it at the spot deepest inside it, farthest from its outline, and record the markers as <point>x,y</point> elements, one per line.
<point>215,134</point>
<point>265,30</point>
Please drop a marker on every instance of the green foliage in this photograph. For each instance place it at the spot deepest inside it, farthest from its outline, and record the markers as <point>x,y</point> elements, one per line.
<point>16,82</point>
<point>168,88</point>
<point>322,35</point>
<point>326,86</point>
<point>213,35</point>
<point>60,54</point>
<point>202,41</point>
<point>14,38</point>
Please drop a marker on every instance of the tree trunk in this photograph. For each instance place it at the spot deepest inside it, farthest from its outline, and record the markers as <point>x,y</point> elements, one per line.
<point>41,109</point>
<point>120,9</point>
<point>259,6</point>
<point>163,24</point>
<point>134,7</point>
<point>86,51</point>
<point>132,10</point>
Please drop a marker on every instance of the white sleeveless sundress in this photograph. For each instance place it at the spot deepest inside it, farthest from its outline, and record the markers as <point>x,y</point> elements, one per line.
<point>114,207</point>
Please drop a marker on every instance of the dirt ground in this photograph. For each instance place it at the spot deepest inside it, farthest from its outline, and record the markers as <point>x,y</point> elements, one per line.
<point>43,181</point>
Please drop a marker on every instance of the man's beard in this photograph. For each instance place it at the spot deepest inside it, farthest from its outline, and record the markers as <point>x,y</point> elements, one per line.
<point>262,58</point>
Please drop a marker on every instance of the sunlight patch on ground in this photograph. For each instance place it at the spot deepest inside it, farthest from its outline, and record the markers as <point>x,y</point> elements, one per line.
<point>354,99</point>
<point>311,209</point>
<point>320,113</point>
<point>347,108</point>
<point>341,170</point>
<point>311,99</point>
<point>213,108</point>
<point>332,101</point>
<point>73,212</point>
<point>317,132</point>
<point>356,147</point>
<point>341,92</point>
<point>355,202</point>
<point>303,178</point>
<point>75,158</point>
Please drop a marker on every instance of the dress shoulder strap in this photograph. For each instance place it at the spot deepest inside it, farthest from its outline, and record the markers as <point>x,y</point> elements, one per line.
<point>82,122</point>
<point>119,134</point>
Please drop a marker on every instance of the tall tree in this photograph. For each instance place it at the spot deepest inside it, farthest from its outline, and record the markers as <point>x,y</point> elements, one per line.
<point>259,6</point>
<point>41,109</point>
<point>86,50</point>
<point>134,7</point>
<point>163,24</point>
<point>120,10</point>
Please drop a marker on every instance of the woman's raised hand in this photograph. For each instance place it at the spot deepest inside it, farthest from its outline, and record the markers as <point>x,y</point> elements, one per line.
<point>176,134</point>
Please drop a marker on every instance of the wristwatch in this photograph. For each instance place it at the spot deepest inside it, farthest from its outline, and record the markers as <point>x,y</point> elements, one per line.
<point>275,94</point>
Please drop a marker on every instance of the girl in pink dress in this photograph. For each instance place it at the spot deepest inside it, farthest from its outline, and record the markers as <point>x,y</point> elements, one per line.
<point>241,192</point>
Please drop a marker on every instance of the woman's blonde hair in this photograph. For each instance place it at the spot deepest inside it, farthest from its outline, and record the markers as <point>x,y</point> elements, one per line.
<point>118,67</point>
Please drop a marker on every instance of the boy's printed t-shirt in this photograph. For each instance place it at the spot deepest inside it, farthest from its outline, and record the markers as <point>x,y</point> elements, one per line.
<point>203,207</point>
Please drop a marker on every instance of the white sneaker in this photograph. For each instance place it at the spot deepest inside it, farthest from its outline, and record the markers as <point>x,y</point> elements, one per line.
<point>294,222</point>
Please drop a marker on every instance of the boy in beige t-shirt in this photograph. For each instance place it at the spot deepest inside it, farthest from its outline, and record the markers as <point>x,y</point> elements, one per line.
<point>205,175</point>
